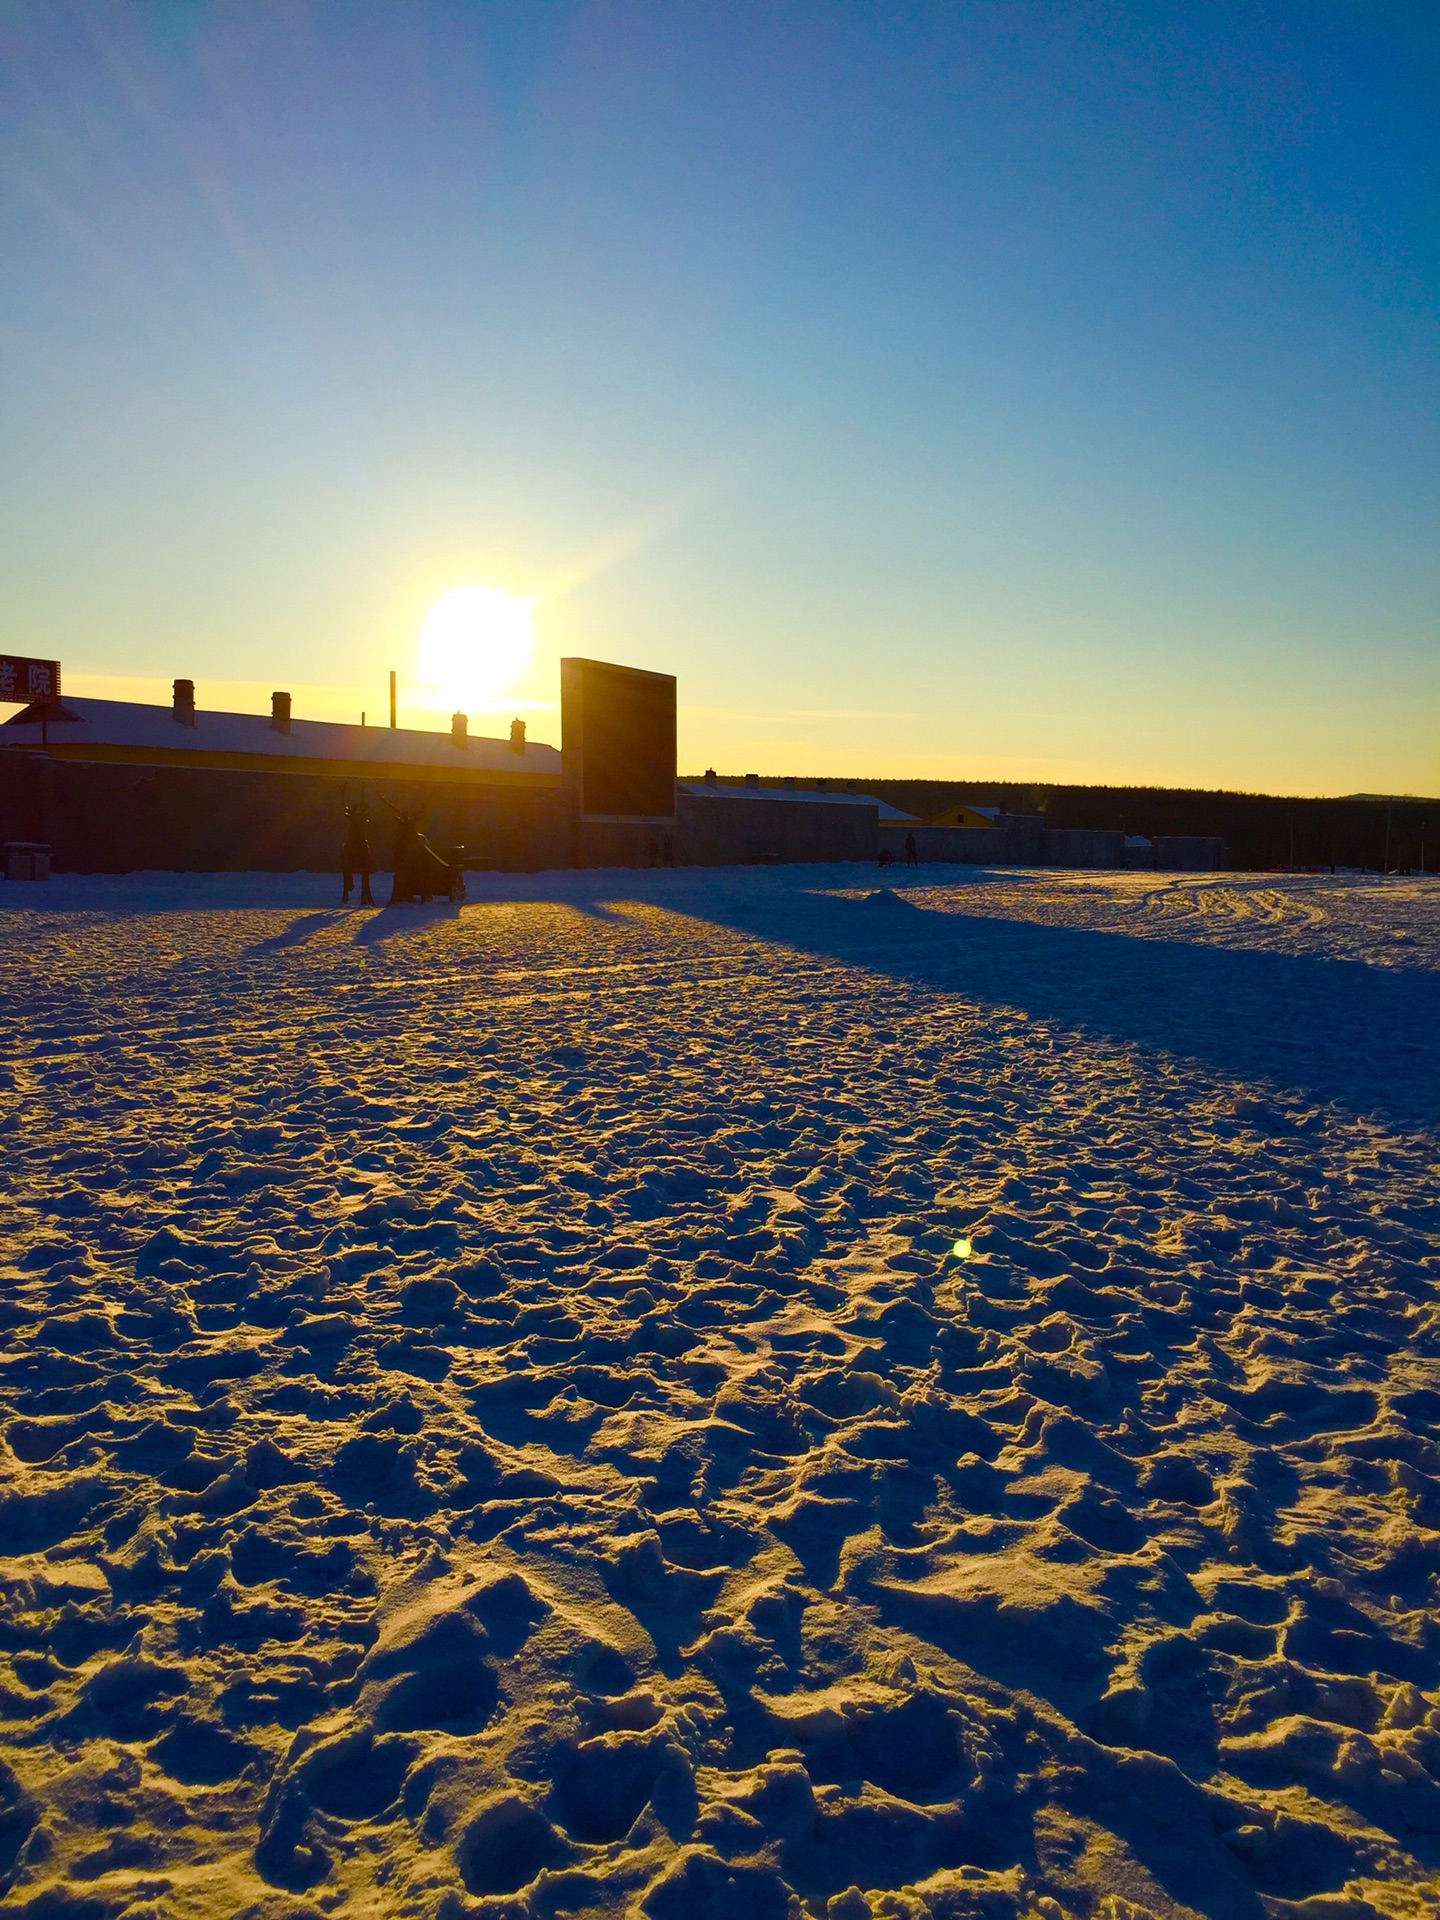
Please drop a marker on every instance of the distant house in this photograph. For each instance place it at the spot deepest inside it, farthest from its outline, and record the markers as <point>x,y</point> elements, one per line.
<point>961,814</point>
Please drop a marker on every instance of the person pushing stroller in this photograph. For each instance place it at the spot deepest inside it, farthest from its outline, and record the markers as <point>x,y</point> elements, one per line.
<point>422,871</point>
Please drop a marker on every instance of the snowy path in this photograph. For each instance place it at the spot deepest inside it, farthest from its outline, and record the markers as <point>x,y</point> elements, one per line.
<point>496,1423</point>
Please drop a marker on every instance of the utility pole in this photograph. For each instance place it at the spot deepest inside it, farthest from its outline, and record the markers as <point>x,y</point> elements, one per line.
<point>392,696</point>
<point>1389,810</point>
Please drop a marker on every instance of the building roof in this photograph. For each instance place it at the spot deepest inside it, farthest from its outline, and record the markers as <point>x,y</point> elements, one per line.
<point>132,733</point>
<point>703,790</point>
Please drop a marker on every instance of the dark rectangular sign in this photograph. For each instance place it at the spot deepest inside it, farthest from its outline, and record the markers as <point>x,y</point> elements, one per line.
<point>24,679</point>
<point>618,736</point>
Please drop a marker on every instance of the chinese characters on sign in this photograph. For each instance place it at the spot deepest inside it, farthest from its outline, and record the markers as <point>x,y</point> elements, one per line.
<point>28,680</point>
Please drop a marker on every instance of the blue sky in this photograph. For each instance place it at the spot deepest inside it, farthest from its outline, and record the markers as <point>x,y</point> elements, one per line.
<point>1030,390</point>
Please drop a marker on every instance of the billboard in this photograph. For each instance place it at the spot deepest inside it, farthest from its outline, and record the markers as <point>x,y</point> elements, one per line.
<point>22,678</point>
<point>617,735</point>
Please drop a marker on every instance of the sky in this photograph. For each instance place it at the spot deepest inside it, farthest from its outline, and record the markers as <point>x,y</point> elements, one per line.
<point>993,390</point>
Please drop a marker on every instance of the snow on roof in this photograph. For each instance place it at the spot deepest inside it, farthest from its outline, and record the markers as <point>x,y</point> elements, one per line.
<point>703,790</point>
<point>114,725</point>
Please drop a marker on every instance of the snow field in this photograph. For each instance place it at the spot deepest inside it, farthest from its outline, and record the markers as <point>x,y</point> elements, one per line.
<point>494,1424</point>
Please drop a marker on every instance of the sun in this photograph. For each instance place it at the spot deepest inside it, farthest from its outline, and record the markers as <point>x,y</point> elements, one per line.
<point>475,643</point>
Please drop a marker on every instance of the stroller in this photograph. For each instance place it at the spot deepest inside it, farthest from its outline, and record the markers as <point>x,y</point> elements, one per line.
<point>453,860</point>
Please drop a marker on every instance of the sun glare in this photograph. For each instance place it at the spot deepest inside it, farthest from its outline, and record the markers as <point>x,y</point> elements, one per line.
<point>474,645</point>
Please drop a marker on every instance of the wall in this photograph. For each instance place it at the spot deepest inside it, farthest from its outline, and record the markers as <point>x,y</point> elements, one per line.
<point>609,844</point>
<point>103,818</point>
<point>1016,844</point>
<point>717,831</point>
<point>1190,853</point>
<point>116,819</point>
<point>1081,847</point>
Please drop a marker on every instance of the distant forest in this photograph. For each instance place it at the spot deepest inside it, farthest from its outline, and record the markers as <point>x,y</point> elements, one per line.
<point>1262,832</point>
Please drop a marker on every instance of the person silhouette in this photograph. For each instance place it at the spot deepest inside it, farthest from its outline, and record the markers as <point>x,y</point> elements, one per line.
<point>356,857</point>
<point>406,860</point>
<point>912,857</point>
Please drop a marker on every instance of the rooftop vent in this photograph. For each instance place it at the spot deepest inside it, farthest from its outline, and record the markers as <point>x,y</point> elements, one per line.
<point>184,707</point>
<point>460,729</point>
<point>280,712</point>
<point>517,736</point>
<point>712,779</point>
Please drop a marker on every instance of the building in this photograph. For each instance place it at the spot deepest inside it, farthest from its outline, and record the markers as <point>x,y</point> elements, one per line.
<point>114,786</point>
<point>751,825</point>
<point>961,814</point>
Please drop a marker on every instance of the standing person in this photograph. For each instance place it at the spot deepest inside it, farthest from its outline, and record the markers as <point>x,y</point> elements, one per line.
<point>912,857</point>
<point>357,858</point>
<point>406,860</point>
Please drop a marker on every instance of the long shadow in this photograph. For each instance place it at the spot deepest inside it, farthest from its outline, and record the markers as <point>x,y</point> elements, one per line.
<point>1334,1030</point>
<point>404,918</point>
<point>301,930</point>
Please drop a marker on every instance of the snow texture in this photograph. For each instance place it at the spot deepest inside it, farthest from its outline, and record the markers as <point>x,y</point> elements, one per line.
<point>496,1423</point>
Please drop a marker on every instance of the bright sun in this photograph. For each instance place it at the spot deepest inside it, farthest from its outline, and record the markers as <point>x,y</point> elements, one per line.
<point>475,643</point>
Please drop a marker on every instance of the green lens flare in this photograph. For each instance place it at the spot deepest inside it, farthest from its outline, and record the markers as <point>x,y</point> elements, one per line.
<point>962,1249</point>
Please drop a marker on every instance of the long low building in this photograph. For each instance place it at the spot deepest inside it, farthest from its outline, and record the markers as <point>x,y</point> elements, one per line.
<point>115,785</point>
<point>721,824</point>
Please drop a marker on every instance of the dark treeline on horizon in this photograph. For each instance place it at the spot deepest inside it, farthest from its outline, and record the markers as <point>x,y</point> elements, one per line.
<point>1263,832</point>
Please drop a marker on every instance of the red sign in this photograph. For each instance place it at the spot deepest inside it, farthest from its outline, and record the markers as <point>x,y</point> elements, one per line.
<point>27,680</point>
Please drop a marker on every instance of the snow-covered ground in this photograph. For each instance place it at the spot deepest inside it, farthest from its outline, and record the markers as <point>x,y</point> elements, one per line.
<point>497,1422</point>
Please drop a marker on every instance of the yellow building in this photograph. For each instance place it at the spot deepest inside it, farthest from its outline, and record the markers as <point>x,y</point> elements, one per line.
<point>960,814</point>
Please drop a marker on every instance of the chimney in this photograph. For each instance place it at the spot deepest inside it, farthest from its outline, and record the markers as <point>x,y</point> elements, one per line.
<point>280,712</point>
<point>711,779</point>
<point>752,779</point>
<point>184,708</point>
<point>517,736</point>
<point>460,729</point>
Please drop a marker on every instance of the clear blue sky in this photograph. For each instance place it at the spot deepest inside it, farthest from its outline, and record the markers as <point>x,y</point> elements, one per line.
<point>1023,389</point>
